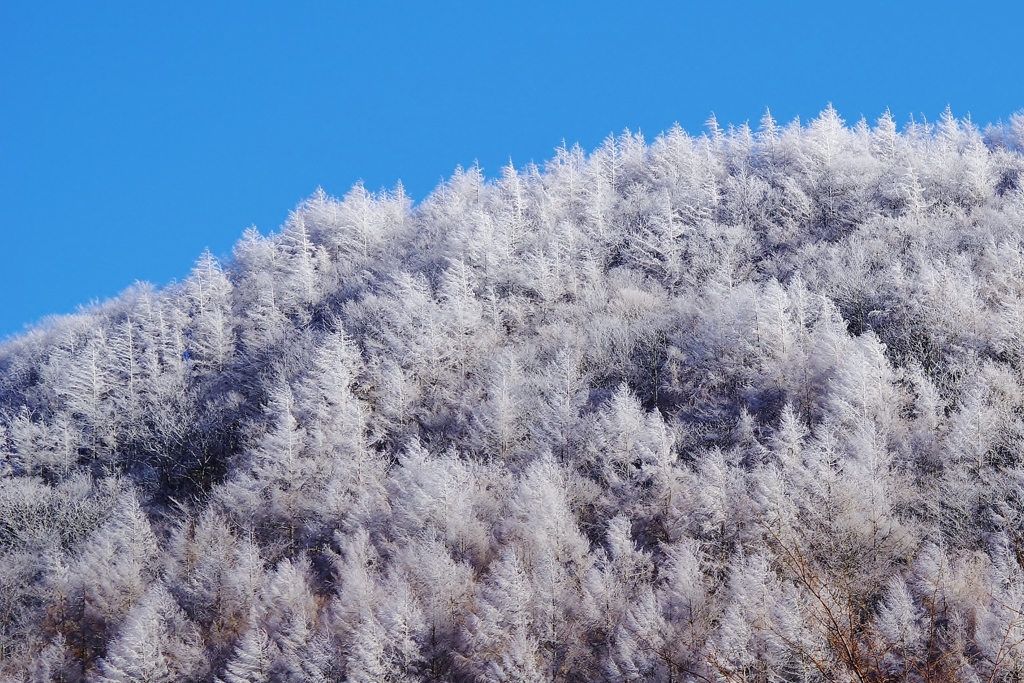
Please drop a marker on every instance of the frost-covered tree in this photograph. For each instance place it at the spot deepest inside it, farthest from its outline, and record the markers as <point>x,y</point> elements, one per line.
<point>156,643</point>
<point>737,406</point>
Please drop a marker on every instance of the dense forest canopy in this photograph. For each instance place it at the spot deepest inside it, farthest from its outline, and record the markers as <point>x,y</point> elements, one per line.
<point>747,406</point>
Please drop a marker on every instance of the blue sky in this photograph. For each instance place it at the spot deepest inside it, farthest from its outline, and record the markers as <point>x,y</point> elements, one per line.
<point>134,135</point>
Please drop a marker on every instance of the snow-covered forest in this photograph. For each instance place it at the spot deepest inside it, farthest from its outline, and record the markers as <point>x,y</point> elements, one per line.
<point>747,406</point>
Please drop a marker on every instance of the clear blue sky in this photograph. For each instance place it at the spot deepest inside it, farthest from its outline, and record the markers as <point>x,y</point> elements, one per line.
<point>134,135</point>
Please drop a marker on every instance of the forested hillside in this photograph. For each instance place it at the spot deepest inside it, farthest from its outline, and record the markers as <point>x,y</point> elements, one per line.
<point>747,406</point>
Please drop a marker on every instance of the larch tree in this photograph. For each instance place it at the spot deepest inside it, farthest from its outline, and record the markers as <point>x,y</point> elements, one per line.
<point>743,405</point>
